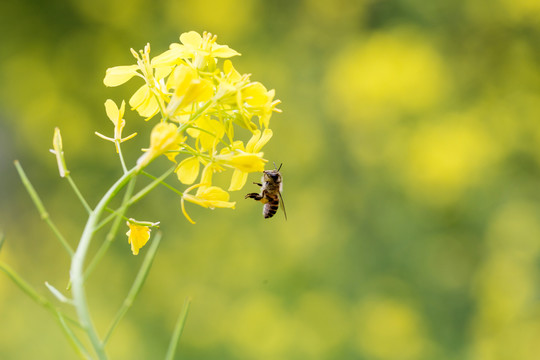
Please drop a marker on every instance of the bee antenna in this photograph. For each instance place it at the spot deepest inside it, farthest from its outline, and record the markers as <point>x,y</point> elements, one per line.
<point>277,168</point>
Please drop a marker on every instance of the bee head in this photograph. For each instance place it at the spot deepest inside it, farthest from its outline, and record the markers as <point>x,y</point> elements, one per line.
<point>272,175</point>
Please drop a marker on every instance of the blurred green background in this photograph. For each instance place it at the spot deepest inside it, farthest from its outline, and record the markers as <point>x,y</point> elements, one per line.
<point>410,142</point>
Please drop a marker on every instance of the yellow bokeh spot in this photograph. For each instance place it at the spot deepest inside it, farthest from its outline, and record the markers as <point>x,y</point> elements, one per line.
<point>232,17</point>
<point>384,76</point>
<point>388,329</point>
<point>515,342</point>
<point>504,289</point>
<point>260,328</point>
<point>515,231</point>
<point>443,158</point>
<point>521,9</point>
<point>323,321</point>
<point>510,266</point>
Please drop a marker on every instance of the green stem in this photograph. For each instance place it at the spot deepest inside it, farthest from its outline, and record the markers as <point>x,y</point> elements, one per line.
<point>142,193</point>
<point>41,208</point>
<point>136,287</point>
<point>113,231</point>
<point>75,342</point>
<point>106,220</point>
<point>201,110</point>
<point>113,214</point>
<point>116,213</point>
<point>178,329</point>
<point>163,183</point>
<point>121,157</point>
<point>59,316</point>
<point>164,116</point>
<point>78,193</point>
<point>77,264</point>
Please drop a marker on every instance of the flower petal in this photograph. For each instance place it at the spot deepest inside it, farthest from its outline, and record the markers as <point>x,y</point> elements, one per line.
<point>211,197</point>
<point>247,162</point>
<point>139,97</point>
<point>212,133</point>
<point>167,58</point>
<point>191,38</point>
<point>138,236</point>
<point>164,137</point>
<point>119,74</point>
<point>223,51</point>
<point>144,101</point>
<point>188,170</point>
<point>266,136</point>
<point>214,193</point>
<point>253,141</point>
<point>256,95</point>
<point>238,180</point>
<point>112,111</point>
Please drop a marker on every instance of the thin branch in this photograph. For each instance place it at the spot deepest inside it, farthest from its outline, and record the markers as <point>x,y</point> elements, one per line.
<point>121,157</point>
<point>163,183</point>
<point>136,287</point>
<point>178,329</point>
<point>77,264</point>
<point>113,231</point>
<point>142,193</point>
<point>79,194</point>
<point>41,208</point>
<point>59,316</point>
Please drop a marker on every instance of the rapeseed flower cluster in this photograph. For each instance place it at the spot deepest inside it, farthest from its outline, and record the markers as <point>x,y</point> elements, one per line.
<point>206,119</point>
<point>205,107</point>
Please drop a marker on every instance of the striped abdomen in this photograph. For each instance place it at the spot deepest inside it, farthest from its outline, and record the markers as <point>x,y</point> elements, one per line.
<point>271,206</point>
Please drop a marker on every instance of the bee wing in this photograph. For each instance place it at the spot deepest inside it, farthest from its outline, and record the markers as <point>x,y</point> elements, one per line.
<point>282,204</point>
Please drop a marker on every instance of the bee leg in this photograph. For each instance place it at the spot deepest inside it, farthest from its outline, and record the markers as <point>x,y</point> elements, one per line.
<point>255,196</point>
<point>256,183</point>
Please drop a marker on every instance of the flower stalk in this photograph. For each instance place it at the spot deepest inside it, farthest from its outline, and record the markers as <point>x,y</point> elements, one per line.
<point>136,287</point>
<point>41,208</point>
<point>77,265</point>
<point>178,329</point>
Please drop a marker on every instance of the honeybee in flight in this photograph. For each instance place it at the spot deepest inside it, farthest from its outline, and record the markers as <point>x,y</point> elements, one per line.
<point>270,196</point>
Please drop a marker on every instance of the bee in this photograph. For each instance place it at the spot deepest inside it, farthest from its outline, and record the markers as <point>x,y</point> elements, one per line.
<point>270,196</point>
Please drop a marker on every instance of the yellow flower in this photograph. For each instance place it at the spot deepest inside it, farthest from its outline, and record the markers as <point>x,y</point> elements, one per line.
<point>138,236</point>
<point>188,170</point>
<point>251,98</point>
<point>210,197</point>
<point>207,131</point>
<point>230,82</point>
<point>164,137</point>
<point>201,50</point>
<point>145,102</point>
<point>188,89</point>
<point>116,116</point>
<point>208,101</point>
<point>245,160</point>
<point>146,99</point>
<point>259,101</point>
